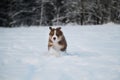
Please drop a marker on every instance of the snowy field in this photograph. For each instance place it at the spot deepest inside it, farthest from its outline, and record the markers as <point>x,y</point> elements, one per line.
<point>93,54</point>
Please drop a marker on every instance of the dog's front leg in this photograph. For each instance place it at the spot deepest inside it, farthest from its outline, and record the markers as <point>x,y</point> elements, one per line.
<point>53,51</point>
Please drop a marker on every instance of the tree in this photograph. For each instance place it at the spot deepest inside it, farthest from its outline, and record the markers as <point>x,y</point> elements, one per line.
<point>4,10</point>
<point>115,11</point>
<point>24,12</point>
<point>58,11</point>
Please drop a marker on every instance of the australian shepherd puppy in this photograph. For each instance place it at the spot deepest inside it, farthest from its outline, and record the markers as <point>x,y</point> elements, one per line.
<point>57,42</point>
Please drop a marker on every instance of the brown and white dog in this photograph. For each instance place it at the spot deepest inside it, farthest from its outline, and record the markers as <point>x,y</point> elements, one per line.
<point>57,42</point>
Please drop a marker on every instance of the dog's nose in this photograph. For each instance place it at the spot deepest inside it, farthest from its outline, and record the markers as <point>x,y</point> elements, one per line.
<point>54,38</point>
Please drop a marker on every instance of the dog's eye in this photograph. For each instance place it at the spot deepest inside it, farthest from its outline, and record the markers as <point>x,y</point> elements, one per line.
<point>57,35</point>
<point>51,33</point>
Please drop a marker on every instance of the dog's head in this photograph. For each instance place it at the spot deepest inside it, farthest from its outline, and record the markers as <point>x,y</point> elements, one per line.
<point>55,34</point>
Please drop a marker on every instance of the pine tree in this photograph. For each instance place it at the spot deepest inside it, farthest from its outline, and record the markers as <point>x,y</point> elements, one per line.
<point>4,13</point>
<point>115,11</point>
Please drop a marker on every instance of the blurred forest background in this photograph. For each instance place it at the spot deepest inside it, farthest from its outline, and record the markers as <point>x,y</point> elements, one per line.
<point>58,12</point>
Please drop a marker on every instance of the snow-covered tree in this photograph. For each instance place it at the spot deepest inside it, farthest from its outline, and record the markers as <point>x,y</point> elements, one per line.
<point>4,10</point>
<point>24,12</point>
<point>58,12</point>
<point>115,11</point>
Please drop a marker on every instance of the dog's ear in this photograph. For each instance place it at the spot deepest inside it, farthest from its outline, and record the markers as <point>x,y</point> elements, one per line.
<point>59,28</point>
<point>50,28</point>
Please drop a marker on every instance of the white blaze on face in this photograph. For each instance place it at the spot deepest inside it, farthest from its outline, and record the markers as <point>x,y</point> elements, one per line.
<point>54,37</point>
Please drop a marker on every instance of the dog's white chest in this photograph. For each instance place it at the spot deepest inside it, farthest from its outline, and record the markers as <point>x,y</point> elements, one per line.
<point>55,49</point>
<point>56,46</point>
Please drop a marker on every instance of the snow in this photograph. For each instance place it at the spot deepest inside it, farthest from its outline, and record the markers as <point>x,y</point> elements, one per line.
<point>93,53</point>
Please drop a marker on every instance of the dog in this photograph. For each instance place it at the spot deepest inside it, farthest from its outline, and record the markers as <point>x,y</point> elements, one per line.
<point>57,42</point>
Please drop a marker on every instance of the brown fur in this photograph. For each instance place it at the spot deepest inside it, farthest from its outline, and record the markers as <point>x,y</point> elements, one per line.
<point>62,41</point>
<point>50,44</point>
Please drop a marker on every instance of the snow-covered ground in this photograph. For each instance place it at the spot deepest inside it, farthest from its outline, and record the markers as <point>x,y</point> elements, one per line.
<point>93,54</point>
